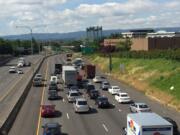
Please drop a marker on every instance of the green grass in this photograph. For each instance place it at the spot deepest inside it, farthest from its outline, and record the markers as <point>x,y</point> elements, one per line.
<point>166,72</point>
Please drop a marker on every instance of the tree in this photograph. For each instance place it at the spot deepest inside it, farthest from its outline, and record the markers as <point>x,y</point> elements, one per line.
<point>124,45</point>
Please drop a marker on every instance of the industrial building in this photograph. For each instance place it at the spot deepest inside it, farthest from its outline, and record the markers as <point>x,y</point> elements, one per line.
<point>147,40</point>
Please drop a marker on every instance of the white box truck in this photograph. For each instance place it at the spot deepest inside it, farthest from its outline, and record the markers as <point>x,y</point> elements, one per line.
<point>69,75</point>
<point>148,124</point>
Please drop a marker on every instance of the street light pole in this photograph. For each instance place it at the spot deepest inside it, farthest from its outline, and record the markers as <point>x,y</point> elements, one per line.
<point>31,33</point>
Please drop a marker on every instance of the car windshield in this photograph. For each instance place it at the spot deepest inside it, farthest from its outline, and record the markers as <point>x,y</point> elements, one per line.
<point>106,83</point>
<point>143,106</point>
<point>38,75</point>
<point>103,99</point>
<point>91,87</point>
<point>115,87</point>
<point>74,94</point>
<point>37,79</point>
<point>53,130</point>
<point>82,102</point>
<point>124,95</point>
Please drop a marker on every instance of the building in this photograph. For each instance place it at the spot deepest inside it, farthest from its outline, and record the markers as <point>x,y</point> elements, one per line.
<point>112,42</point>
<point>137,33</point>
<point>146,40</point>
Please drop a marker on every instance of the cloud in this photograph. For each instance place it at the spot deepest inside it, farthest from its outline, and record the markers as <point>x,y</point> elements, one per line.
<point>60,17</point>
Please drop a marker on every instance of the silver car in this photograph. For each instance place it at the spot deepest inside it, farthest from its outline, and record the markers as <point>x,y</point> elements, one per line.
<point>81,105</point>
<point>139,107</point>
<point>72,96</point>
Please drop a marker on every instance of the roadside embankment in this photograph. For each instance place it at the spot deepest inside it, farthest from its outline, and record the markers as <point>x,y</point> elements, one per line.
<point>159,79</point>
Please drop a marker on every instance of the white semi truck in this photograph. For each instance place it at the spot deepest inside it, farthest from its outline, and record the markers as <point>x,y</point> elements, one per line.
<point>69,75</point>
<point>147,124</point>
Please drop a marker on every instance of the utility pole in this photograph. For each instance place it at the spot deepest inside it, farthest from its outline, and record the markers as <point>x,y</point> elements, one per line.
<point>31,33</point>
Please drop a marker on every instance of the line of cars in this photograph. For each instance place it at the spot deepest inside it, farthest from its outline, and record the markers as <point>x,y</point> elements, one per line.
<point>48,110</point>
<point>21,63</point>
<point>123,97</point>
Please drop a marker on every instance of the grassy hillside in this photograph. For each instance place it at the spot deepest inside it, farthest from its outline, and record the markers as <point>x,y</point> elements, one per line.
<point>154,77</point>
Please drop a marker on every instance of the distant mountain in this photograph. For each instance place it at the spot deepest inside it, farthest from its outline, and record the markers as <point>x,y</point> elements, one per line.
<point>75,35</point>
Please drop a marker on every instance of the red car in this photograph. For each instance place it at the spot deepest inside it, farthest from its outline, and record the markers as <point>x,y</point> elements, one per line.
<point>48,110</point>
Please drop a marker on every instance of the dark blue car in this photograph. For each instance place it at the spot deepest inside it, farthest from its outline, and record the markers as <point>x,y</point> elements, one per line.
<point>51,129</point>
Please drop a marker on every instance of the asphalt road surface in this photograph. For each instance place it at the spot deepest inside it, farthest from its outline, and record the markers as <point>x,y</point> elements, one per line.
<point>97,122</point>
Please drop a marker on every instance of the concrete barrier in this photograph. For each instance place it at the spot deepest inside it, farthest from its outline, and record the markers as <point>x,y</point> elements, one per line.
<point>11,118</point>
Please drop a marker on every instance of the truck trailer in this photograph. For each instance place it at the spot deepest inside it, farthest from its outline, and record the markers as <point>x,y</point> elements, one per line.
<point>90,71</point>
<point>69,75</point>
<point>147,124</point>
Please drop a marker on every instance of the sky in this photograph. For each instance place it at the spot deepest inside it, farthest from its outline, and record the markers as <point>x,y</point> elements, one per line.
<point>59,16</point>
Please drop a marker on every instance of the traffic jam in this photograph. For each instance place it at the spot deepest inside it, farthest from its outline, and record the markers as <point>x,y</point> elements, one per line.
<point>81,81</point>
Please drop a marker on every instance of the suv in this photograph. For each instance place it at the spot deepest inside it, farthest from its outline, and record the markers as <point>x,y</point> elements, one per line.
<point>102,102</point>
<point>90,87</point>
<point>53,86</point>
<point>81,105</point>
<point>51,129</point>
<point>93,94</point>
<point>105,85</point>
<point>53,95</point>
<point>37,81</point>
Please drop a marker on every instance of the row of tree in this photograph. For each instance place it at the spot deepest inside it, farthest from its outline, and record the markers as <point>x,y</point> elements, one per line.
<point>16,47</point>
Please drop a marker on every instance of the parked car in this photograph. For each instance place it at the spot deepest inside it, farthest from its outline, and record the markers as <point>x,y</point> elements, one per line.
<point>20,71</point>
<point>48,111</point>
<point>175,127</point>
<point>12,69</point>
<point>53,95</point>
<point>122,97</point>
<point>105,85</point>
<point>114,90</point>
<point>72,96</point>
<point>139,107</point>
<point>102,102</point>
<point>51,129</point>
<point>93,94</point>
<point>81,105</point>
<point>98,79</point>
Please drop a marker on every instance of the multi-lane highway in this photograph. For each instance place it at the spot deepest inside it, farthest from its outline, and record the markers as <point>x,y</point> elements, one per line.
<point>11,85</point>
<point>97,122</point>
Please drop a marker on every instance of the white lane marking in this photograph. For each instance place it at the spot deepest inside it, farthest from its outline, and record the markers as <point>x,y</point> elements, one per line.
<point>120,110</point>
<point>63,100</point>
<point>67,116</point>
<point>104,126</point>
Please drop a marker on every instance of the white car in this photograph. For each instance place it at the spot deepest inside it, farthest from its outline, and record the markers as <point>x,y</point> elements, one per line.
<point>98,79</point>
<point>20,71</point>
<point>139,107</point>
<point>39,76</point>
<point>122,97</point>
<point>81,105</point>
<point>54,79</point>
<point>114,90</point>
<point>72,96</point>
<point>20,64</point>
<point>12,69</point>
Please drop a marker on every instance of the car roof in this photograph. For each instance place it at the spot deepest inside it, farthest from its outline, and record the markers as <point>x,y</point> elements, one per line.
<point>104,97</point>
<point>81,99</point>
<point>52,125</point>
<point>74,91</point>
<point>123,93</point>
<point>140,103</point>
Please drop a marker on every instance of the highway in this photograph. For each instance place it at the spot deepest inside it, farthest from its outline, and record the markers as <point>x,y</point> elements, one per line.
<point>98,122</point>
